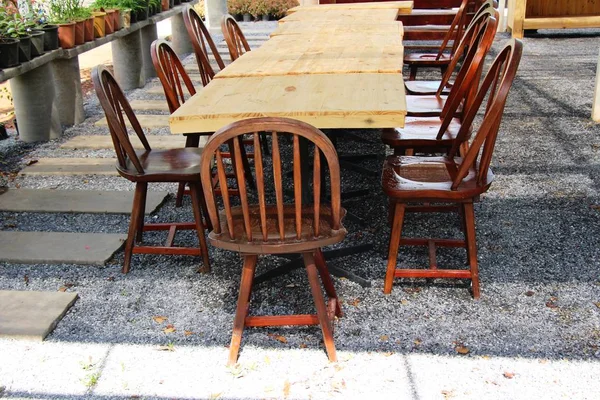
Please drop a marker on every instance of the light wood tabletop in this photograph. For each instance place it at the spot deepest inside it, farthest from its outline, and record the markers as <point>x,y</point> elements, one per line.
<point>403,7</point>
<point>345,80</point>
<point>332,30</point>
<point>342,16</point>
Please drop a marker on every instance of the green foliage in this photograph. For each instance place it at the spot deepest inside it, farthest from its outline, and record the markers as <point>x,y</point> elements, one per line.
<point>12,24</point>
<point>277,8</point>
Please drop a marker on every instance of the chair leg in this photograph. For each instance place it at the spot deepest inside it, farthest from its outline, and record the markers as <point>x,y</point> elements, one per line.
<point>197,199</point>
<point>413,72</point>
<point>327,281</point>
<point>142,210</point>
<point>140,188</point>
<point>313,279</point>
<point>394,244</point>
<point>472,247</point>
<point>242,306</point>
<point>179,197</point>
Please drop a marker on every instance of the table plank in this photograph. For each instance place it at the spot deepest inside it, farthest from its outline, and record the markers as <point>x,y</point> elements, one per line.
<point>342,16</point>
<point>332,30</point>
<point>294,55</point>
<point>404,7</point>
<point>325,101</point>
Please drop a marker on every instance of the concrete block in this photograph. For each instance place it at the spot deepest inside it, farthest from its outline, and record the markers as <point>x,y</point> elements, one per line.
<point>71,166</point>
<point>128,61</point>
<point>32,315</point>
<point>59,247</point>
<point>67,84</point>
<point>76,201</point>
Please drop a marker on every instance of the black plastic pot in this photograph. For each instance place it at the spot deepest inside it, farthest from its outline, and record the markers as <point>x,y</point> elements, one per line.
<point>3,134</point>
<point>9,52</point>
<point>142,14</point>
<point>50,37</point>
<point>171,4</point>
<point>37,43</point>
<point>176,2</point>
<point>24,48</point>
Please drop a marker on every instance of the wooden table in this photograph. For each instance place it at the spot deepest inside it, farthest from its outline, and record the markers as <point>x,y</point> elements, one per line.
<point>403,7</point>
<point>330,68</point>
<point>342,81</point>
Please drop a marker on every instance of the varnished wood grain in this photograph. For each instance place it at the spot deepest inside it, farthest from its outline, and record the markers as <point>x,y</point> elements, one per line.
<point>403,7</point>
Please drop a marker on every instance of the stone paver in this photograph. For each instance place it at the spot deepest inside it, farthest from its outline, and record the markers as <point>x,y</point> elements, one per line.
<point>32,315</point>
<point>58,247</point>
<point>71,166</point>
<point>105,142</point>
<point>76,201</point>
<point>146,121</point>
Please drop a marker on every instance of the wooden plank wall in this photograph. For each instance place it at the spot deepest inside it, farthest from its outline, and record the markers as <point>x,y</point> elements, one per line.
<point>558,8</point>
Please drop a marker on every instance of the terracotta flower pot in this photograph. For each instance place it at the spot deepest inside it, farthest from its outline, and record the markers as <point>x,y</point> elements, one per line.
<point>79,32</point>
<point>88,29</point>
<point>117,19</point>
<point>165,5</point>
<point>109,22</point>
<point>99,24</point>
<point>66,35</point>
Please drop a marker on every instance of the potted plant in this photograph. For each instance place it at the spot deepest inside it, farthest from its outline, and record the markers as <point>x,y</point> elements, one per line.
<point>14,27</point>
<point>240,7</point>
<point>34,21</point>
<point>61,14</point>
<point>260,8</point>
<point>9,43</point>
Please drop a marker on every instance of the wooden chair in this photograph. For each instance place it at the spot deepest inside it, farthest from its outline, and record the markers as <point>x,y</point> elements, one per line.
<point>234,37</point>
<point>437,134</point>
<point>201,41</point>
<point>278,227</point>
<point>147,166</point>
<point>178,86</point>
<point>450,180</point>
<point>443,86</point>
<point>441,59</point>
<point>435,105</point>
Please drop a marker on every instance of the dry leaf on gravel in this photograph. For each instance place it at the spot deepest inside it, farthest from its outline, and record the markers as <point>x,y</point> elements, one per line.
<point>529,293</point>
<point>169,329</point>
<point>286,388</point>
<point>384,338</point>
<point>551,304</point>
<point>281,339</point>
<point>215,395</point>
<point>462,350</point>
<point>355,302</point>
<point>62,289</point>
<point>303,345</point>
<point>508,375</point>
<point>597,304</point>
<point>188,333</point>
<point>417,342</point>
<point>159,319</point>
<point>412,290</point>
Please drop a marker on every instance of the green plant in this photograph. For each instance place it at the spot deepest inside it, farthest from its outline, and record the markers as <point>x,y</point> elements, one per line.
<point>12,24</point>
<point>260,7</point>
<point>33,14</point>
<point>156,4</point>
<point>278,8</point>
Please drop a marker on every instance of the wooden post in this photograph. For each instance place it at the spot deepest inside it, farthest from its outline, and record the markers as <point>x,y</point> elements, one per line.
<point>501,11</point>
<point>516,17</point>
<point>596,106</point>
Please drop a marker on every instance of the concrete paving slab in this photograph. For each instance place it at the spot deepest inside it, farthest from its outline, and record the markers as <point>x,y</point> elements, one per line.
<point>105,142</point>
<point>156,89</point>
<point>146,121</point>
<point>149,105</point>
<point>71,166</point>
<point>75,201</point>
<point>32,315</point>
<point>58,247</point>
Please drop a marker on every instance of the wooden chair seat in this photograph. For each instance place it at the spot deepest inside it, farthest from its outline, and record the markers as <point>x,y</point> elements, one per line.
<point>425,87</point>
<point>427,59</point>
<point>173,165</point>
<point>427,106</point>
<point>273,244</point>
<point>424,178</point>
<point>421,132</point>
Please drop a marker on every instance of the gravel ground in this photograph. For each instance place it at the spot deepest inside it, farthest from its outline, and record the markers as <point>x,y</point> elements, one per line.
<point>535,332</point>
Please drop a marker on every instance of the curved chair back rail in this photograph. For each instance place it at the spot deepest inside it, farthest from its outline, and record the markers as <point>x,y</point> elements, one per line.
<point>480,37</point>
<point>201,42</point>
<point>286,222</point>
<point>234,37</point>
<point>495,86</point>
<point>172,74</point>
<point>117,108</point>
<point>484,12</point>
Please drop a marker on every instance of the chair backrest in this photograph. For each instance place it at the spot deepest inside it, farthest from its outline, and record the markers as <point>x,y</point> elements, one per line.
<point>116,108</point>
<point>495,87</point>
<point>486,10</point>
<point>456,29</point>
<point>234,37</point>
<point>480,37</point>
<point>201,42</point>
<point>172,74</point>
<point>276,128</point>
